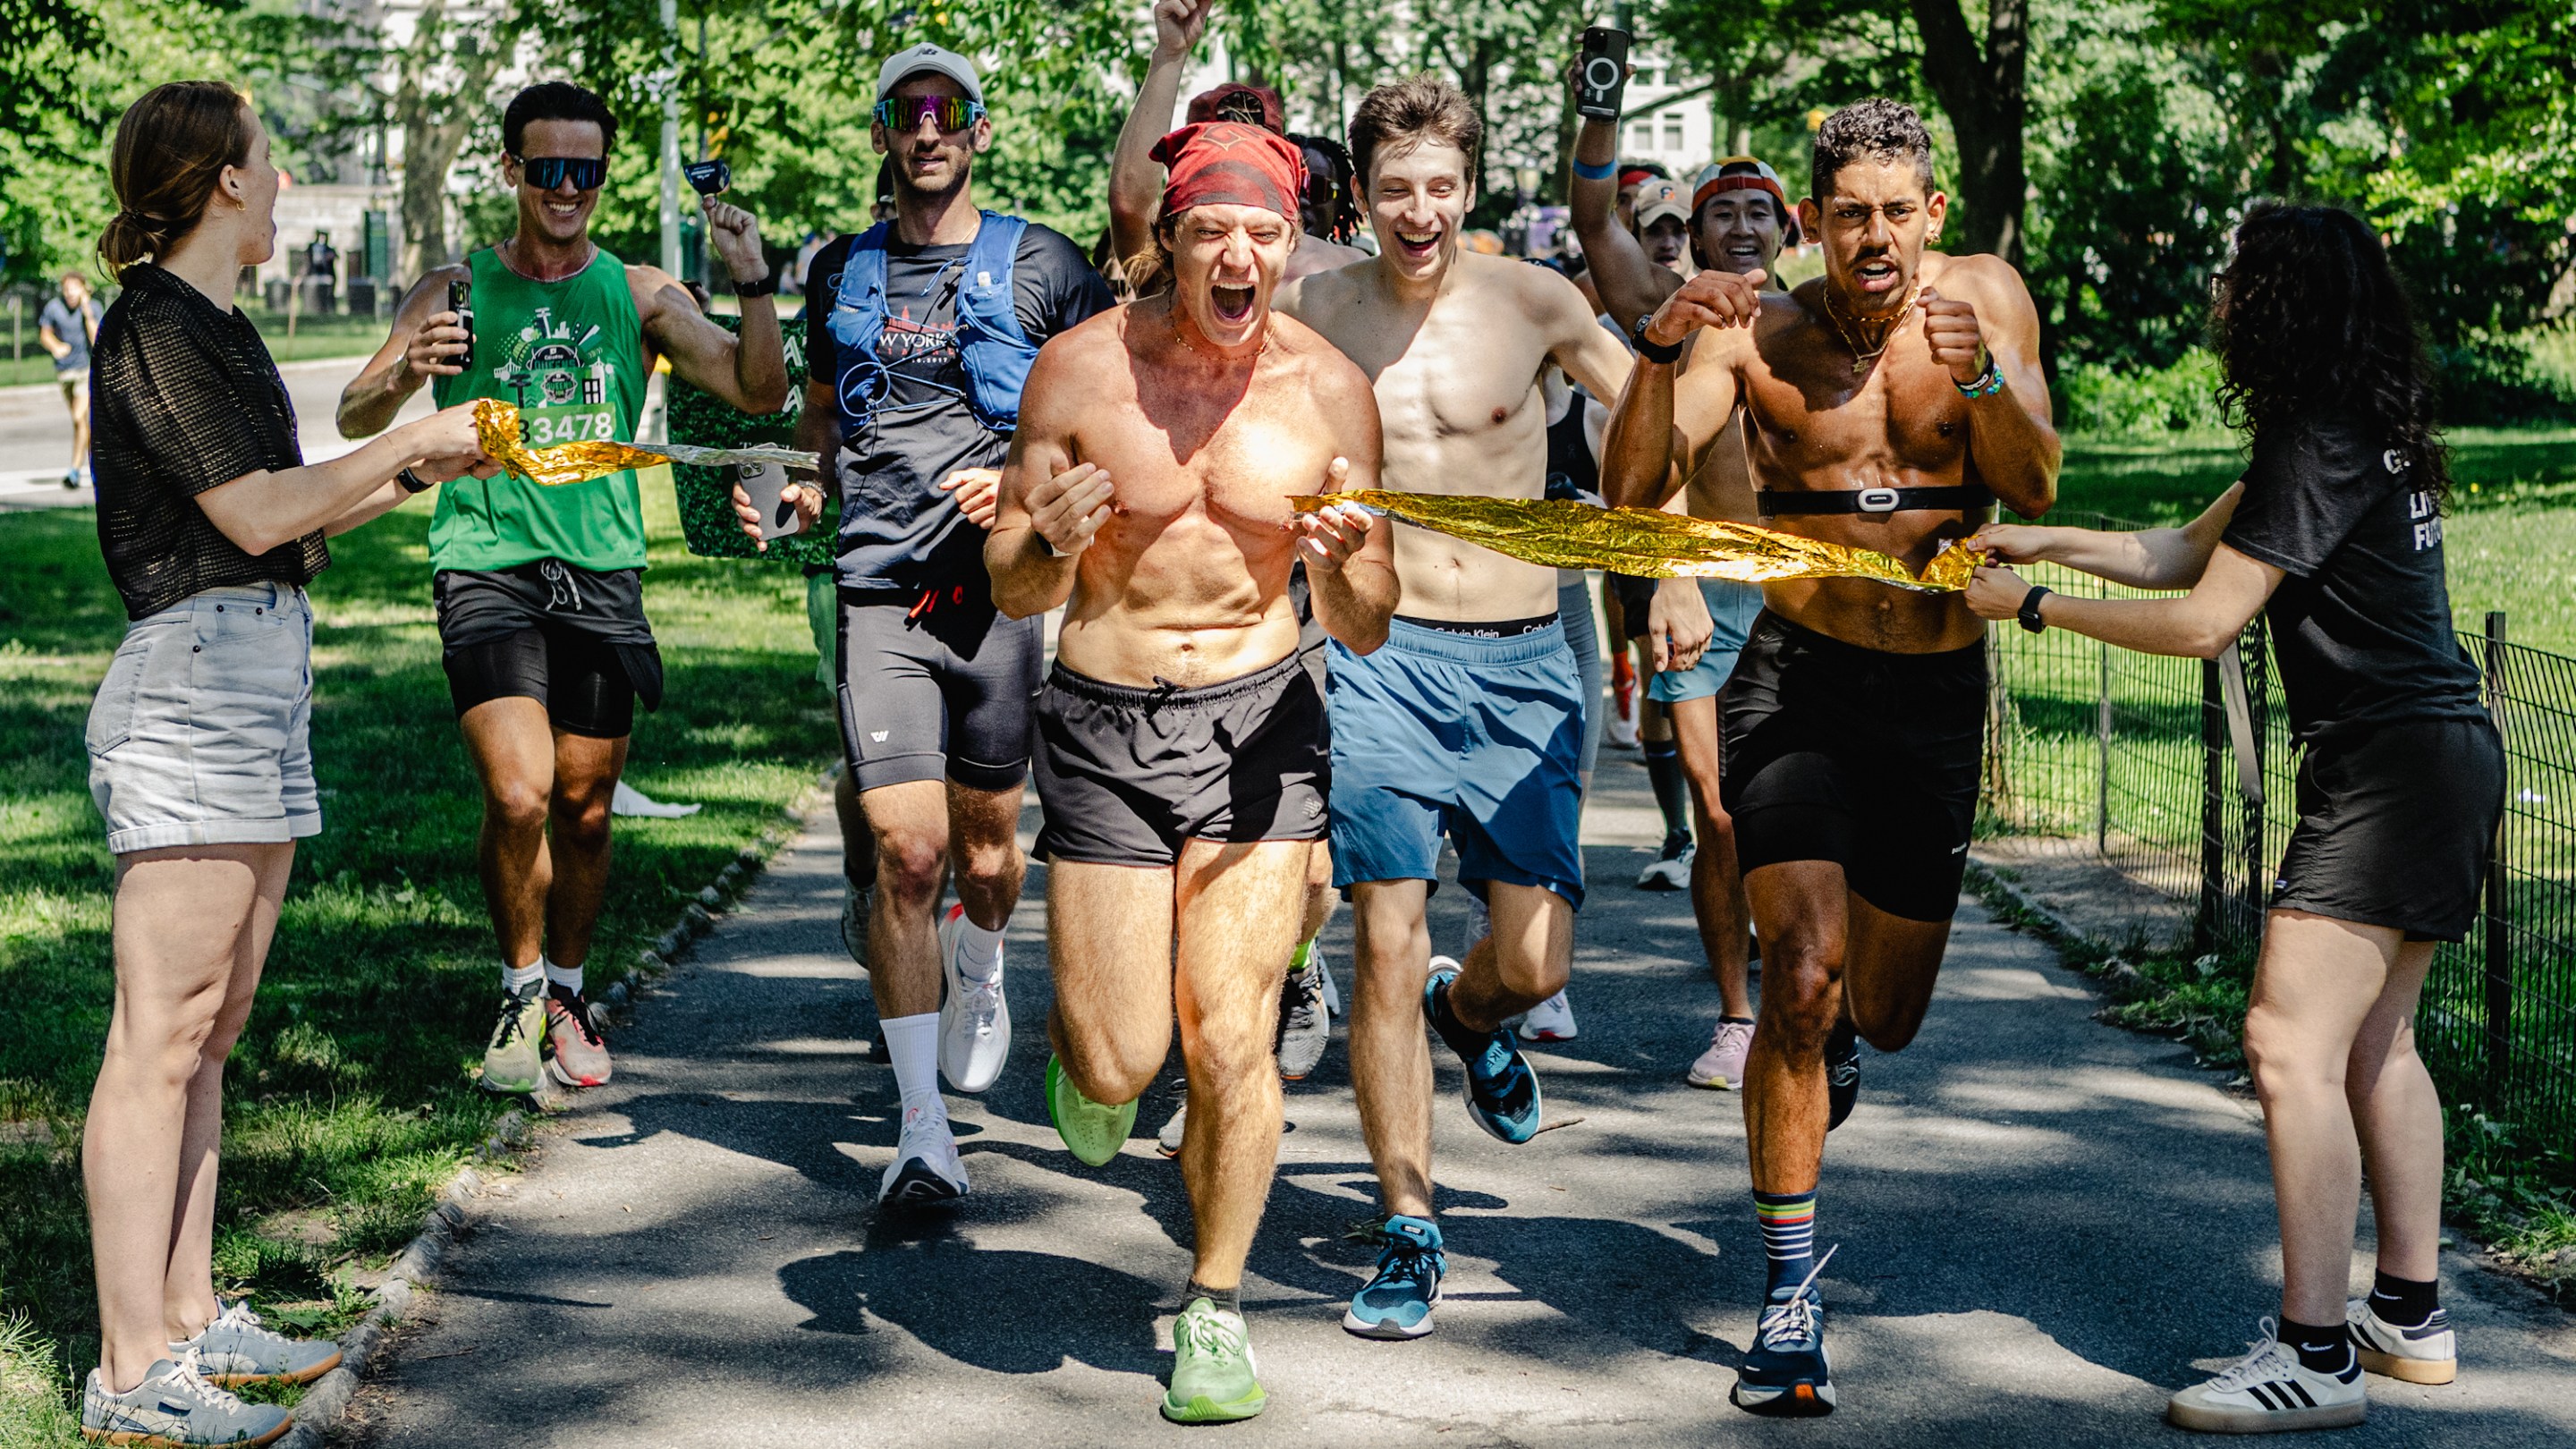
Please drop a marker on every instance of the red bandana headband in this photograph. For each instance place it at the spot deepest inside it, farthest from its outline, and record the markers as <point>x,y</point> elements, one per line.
<point>1738,182</point>
<point>1230,163</point>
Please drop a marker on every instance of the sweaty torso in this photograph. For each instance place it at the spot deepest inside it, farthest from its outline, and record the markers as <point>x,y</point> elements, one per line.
<point>1187,583</point>
<point>1816,425</point>
<point>1458,398</point>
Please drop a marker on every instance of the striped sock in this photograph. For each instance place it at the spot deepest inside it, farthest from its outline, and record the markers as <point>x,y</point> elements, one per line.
<point>1788,1235</point>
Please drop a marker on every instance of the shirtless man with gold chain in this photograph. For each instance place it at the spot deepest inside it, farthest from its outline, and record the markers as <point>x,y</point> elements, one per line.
<point>1888,404</point>
<point>1469,721</point>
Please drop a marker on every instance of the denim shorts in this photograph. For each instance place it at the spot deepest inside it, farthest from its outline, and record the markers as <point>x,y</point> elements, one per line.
<point>200,734</point>
<point>1479,739</point>
<point>1731,607</point>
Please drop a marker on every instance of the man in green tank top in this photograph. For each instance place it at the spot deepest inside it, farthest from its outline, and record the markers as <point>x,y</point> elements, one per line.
<point>540,590</point>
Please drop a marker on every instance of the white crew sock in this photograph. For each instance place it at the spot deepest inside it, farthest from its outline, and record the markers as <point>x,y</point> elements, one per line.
<point>979,952</point>
<point>913,1042</point>
<point>567,977</point>
<point>517,979</point>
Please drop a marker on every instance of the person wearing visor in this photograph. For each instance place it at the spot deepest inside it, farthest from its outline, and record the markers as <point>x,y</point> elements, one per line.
<point>919,333</point>
<point>1739,219</point>
<point>1181,758</point>
<point>540,590</point>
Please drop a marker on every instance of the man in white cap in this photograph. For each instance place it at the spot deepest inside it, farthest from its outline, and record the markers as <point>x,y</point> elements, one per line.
<point>919,333</point>
<point>1739,218</point>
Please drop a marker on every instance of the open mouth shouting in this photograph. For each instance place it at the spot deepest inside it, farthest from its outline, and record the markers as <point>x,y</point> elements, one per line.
<point>1876,275</point>
<point>1232,305</point>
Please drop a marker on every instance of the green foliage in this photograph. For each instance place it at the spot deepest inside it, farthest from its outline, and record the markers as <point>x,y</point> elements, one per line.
<point>2100,401</point>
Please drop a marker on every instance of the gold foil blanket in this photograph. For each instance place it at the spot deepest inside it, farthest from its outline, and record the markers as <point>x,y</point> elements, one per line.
<point>496,423</point>
<point>1649,543</point>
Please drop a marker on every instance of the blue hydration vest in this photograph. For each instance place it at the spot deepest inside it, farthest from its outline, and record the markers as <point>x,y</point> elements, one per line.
<point>995,351</point>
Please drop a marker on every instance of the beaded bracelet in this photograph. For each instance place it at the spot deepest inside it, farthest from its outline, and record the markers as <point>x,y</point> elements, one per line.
<point>1986,384</point>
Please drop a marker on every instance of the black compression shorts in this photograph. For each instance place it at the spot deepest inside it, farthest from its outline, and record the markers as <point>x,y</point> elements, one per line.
<point>936,687</point>
<point>572,640</point>
<point>2395,827</point>
<point>1856,756</point>
<point>1126,774</point>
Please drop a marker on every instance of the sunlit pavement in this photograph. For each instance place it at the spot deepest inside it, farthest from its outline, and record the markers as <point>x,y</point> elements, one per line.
<point>2045,1224</point>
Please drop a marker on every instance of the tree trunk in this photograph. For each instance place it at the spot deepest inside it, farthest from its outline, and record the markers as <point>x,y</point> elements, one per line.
<point>434,125</point>
<point>1984,96</point>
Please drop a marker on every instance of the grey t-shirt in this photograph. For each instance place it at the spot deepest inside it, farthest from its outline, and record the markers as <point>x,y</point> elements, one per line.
<point>73,328</point>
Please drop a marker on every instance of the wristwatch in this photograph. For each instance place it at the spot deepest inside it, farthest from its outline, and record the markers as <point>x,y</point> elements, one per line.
<point>1650,349</point>
<point>2029,610</point>
<point>412,482</point>
<point>767,286</point>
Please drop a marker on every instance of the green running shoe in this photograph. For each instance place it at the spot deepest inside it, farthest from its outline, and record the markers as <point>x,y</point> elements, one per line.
<point>1094,1131</point>
<point>1212,1368</point>
<point>513,1062</point>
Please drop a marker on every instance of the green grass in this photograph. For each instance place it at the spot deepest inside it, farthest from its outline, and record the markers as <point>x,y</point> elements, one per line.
<point>336,336</point>
<point>349,1099</point>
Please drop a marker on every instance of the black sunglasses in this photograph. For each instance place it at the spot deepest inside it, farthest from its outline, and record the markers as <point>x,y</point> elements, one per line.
<point>548,172</point>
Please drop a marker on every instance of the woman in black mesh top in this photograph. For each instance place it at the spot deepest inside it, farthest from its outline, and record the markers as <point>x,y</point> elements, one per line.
<point>2335,534</point>
<point>211,524</point>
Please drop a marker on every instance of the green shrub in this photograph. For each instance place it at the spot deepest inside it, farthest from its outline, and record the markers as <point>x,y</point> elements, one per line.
<point>2103,401</point>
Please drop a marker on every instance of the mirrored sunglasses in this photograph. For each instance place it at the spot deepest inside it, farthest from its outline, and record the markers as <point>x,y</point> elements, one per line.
<point>904,113</point>
<point>548,172</point>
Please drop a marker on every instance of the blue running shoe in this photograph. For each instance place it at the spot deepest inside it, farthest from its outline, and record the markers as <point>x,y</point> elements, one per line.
<point>1502,1091</point>
<point>1785,1374</point>
<point>1397,1303</point>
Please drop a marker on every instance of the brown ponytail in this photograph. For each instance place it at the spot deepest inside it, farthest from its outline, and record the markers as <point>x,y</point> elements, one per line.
<point>171,150</point>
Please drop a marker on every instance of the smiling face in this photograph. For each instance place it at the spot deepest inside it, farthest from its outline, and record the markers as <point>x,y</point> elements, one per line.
<point>1739,231</point>
<point>561,213</point>
<point>1227,260</point>
<point>927,160</point>
<point>1417,204</point>
<point>1872,225</point>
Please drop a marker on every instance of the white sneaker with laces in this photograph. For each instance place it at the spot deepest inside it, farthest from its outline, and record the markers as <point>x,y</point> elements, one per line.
<point>2269,1391</point>
<point>1671,872</point>
<point>925,1169</point>
<point>2428,1353</point>
<point>1721,1067</point>
<point>176,1406</point>
<point>974,1020</point>
<point>1550,1020</point>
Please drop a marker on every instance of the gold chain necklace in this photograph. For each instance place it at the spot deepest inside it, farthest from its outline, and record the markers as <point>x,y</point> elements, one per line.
<point>1861,360</point>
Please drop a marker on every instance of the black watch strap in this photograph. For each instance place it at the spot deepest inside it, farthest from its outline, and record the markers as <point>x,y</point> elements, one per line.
<point>412,482</point>
<point>2029,610</point>
<point>767,286</point>
<point>1649,349</point>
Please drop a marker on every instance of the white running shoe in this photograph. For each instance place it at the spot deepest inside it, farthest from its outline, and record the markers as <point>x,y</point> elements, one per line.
<point>1722,1066</point>
<point>925,1169</point>
<point>1168,1141</point>
<point>974,1020</point>
<point>1550,1020</point>
<point>1670,872</point>
<point>2269,1391</point>
<point>2426,1354</point>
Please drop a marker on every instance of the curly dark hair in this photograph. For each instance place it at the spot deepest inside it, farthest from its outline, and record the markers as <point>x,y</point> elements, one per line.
<point>1328,208</point>
<point>2308,319</point>
<point>1876,129</point>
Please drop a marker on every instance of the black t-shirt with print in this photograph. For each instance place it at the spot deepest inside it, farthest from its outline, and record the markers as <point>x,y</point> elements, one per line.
<point>900,535</point>
<point>2362,625</point>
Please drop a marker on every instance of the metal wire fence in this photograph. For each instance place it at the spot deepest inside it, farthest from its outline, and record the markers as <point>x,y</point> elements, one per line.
<point>2178,773</point>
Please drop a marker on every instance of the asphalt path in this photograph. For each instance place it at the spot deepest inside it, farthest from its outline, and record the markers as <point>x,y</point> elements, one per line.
<point>2045,1225</point>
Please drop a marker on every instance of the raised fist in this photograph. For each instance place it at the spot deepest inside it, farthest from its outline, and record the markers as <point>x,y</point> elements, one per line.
<point>1710,299</point>
<point>1950,329</point>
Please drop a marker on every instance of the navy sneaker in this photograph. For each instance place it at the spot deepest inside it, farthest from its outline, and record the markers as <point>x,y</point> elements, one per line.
<point>1785,1374</point>
<point>1397,1303</point>
<point>1842,1073</point>
<point>1502,1091</point>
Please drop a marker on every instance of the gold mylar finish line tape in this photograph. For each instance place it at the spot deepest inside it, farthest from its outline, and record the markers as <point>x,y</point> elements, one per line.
<point>1649,543</point>
<point>496,424</point>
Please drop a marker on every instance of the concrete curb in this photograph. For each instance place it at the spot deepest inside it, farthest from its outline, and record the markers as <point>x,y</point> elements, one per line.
<point>2118,979</point>
<point>327,1402</point>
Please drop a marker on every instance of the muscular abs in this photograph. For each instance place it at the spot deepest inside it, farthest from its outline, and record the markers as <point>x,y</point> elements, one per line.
<point>1817,426</point>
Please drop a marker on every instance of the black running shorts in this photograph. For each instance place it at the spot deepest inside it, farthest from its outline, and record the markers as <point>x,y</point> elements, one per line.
<point>2396,825</point>
<point>936,690</point>
<point>573,640</point>
<point>1857,756</point>
<point>1126,774</point>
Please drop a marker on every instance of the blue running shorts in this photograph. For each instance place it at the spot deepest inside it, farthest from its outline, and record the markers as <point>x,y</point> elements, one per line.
<point>1479,738</point>
<point>1731,607</point>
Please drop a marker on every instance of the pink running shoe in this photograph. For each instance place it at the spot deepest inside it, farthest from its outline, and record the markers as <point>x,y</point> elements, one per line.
<point>1722,1066</point>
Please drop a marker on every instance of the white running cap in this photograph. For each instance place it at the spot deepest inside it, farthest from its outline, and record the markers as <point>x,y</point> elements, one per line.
<point>905,64</point>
